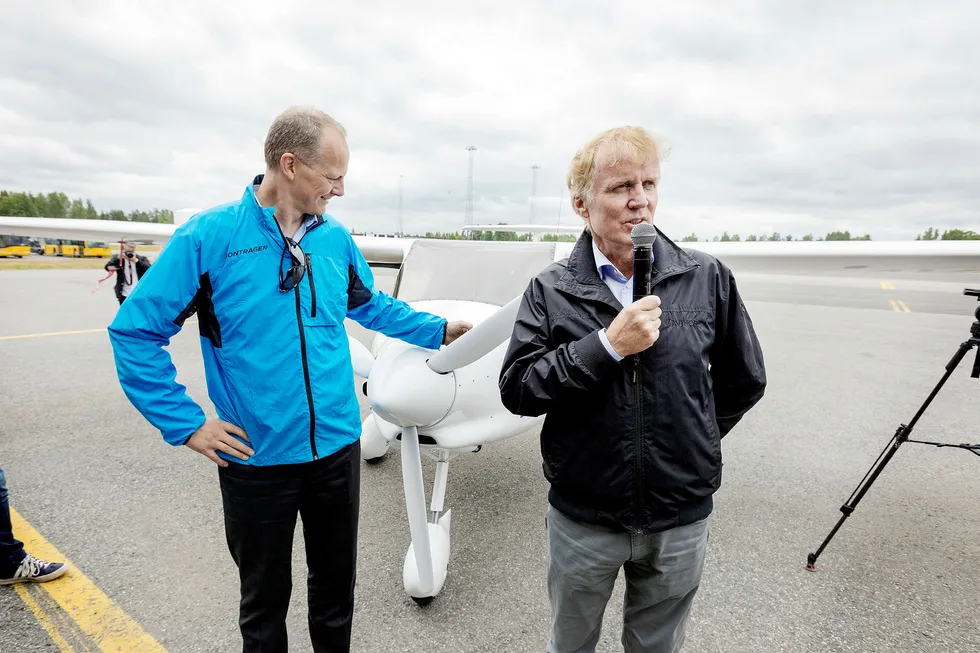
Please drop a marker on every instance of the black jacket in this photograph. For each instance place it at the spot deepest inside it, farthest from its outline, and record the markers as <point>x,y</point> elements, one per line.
<point>142,265</point>
<point>633,445</point>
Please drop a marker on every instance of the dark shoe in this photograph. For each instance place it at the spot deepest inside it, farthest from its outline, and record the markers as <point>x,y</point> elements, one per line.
<point>32,570</point>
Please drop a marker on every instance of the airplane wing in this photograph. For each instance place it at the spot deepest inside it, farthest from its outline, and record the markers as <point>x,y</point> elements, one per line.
<point>112,231</point>
<point>379,251</point>
<point>526,228</point>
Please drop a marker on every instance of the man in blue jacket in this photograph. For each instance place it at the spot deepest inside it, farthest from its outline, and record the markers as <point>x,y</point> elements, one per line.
<point>271,278</point>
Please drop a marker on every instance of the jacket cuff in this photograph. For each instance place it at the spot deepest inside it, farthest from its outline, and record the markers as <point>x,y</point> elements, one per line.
<point>608,345</point>
<point>594,356</point>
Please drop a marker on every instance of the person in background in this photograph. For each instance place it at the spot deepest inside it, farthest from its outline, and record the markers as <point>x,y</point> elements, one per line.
<point>128,272</point>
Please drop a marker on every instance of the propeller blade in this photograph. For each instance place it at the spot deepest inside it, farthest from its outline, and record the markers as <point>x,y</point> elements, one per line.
<point>478,341</point>
<point>360,357</point>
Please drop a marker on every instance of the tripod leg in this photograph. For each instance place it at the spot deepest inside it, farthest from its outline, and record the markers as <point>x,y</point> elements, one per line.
<point>901,435</point>
<point>859,492</point>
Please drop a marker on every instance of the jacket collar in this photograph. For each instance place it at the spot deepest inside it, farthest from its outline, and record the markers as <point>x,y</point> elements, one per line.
<point>581,277</point>
<point>266,216</point>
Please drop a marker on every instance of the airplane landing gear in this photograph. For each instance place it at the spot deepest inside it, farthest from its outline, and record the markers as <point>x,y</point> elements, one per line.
<point>427,559</point>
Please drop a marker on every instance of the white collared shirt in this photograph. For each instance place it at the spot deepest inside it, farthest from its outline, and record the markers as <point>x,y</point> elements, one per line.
<point>129,275</point>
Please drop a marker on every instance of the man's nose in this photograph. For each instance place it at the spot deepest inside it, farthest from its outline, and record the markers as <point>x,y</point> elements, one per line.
<point>338,188</point>
<point>638,198</point>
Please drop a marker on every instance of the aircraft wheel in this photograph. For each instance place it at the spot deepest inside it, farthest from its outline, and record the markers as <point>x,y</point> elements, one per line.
<point>423,600</point>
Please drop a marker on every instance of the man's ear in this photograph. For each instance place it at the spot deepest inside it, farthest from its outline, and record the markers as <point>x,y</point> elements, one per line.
<point>287,165</point>
<point>579,206</point>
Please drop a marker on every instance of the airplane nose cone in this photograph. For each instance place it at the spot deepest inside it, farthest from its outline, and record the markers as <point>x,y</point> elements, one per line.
<point>404,391</point>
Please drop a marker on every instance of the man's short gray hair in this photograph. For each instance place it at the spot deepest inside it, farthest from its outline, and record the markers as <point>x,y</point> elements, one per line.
<point>298,130</point>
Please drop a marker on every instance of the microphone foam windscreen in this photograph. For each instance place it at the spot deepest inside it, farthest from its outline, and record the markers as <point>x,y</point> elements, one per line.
<point>643,234</point>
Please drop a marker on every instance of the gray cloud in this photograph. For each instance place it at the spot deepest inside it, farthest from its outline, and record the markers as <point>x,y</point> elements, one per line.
<point>789,116</point>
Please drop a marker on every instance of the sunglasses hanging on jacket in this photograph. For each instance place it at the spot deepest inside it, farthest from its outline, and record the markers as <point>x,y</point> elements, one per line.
<point>300,263</point>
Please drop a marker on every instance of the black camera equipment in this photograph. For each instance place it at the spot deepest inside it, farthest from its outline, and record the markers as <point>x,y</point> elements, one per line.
<point>902,434</point>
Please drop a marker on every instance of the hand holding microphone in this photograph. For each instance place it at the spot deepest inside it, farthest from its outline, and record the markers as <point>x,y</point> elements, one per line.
<point>637,327</point>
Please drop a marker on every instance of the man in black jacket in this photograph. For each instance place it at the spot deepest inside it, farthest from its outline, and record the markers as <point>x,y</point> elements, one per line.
<point>638,396</point>
<point>132,268</point>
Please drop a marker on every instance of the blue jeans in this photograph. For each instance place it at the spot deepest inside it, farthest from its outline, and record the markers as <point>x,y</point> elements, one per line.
<point>663,572</point>
<point>11,551</point>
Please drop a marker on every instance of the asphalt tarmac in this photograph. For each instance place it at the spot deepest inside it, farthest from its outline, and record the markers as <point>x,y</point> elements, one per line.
<point>847,365</point>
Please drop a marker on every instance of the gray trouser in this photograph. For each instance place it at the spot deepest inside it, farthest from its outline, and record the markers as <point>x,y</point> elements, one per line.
<point>663,571</point>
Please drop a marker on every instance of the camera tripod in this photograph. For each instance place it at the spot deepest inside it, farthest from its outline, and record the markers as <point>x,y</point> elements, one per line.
<point>902,433</point>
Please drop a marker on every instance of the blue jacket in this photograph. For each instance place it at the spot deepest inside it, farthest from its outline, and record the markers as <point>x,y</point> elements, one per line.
<point>277,363</point>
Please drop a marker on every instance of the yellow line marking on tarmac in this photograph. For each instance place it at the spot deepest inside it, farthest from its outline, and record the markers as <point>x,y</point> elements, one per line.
<point>66,333</point>
<point>887,285</point>
<point>46,622</point>
<point>111,629</point>
<point>904,307</point>
<point>45,335</point>
<point>67,625</point>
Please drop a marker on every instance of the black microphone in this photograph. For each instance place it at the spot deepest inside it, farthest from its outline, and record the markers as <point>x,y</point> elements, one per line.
<point>642,236</point>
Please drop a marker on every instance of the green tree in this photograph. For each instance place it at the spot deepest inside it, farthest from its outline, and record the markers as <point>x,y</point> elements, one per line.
<point>693,238</point>
<point>77,209</point>
<point>19,204</point>
<point>959,234</point>
<point>56,205</point>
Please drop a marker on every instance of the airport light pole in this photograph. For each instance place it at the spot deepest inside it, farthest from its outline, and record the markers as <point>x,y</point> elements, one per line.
<point>401,230</point>
<point>534,186</point>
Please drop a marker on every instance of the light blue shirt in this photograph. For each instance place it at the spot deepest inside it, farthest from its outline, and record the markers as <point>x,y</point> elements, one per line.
<point>619,285</point>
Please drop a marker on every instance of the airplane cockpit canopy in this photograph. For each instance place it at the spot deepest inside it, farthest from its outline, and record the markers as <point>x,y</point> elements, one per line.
<point>493,272</point>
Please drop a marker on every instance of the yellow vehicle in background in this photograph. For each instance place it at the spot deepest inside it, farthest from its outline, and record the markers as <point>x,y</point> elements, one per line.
<point>77,248</point>
<point>17,246</point>
<point>96,249</point>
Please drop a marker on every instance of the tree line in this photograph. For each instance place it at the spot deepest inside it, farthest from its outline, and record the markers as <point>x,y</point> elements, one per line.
<point>776,236</point>
<point>58,205</point>
<point>950,234</point>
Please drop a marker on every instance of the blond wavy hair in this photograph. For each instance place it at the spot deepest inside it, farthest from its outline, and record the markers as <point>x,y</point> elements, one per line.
<point>631,143</point>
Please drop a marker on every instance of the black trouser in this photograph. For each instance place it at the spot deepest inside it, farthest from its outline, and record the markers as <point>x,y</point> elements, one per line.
<point>260,506</point>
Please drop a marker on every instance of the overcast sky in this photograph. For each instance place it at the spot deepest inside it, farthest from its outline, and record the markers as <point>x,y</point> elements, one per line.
<point>785,115</point>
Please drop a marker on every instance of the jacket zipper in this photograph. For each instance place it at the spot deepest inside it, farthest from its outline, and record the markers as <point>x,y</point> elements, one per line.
<point>637,440</point>
<point>302,341</point>
<point>309,271</point>
<point>306,374</point>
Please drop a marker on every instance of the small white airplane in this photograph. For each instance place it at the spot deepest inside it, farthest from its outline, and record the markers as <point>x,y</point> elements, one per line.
<point>447,403</point>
